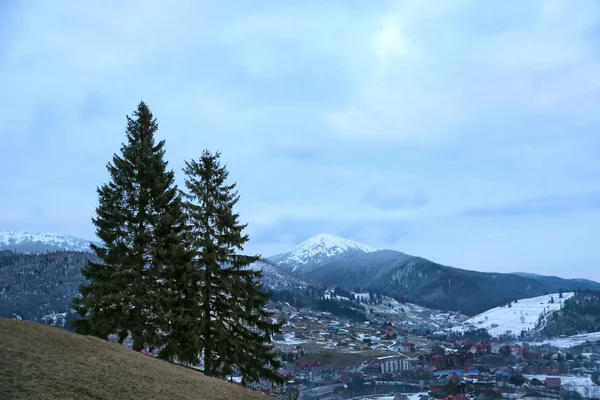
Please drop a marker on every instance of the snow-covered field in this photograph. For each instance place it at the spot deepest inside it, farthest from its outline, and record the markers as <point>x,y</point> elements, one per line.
<point>570,341</point>
<point>580,384</point>
<point>522,315</point>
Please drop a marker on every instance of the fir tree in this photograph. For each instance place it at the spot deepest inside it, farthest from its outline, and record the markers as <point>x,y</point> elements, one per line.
<point>140,223</point>
<point>233,328</point>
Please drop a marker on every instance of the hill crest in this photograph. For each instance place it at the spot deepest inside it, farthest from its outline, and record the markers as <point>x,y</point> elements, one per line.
<point>43,362</point>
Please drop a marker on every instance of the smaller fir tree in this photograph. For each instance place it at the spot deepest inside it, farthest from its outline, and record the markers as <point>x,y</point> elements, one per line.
<point>234,330</point>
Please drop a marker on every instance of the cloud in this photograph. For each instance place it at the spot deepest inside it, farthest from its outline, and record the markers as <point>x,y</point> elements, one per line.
<point>437,66</point>
<point>384,201</point>
<point>429,107</point>
<point>549,205</point>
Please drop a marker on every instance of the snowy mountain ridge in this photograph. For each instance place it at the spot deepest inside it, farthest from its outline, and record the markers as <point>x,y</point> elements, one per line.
<point>36,242</point>
<point>318,250</point>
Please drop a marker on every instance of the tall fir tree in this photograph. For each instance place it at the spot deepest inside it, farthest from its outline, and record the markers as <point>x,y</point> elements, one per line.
<point>234,329</point>
<point>141,225</point>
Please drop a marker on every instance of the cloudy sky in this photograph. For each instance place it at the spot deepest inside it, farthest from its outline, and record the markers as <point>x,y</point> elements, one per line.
<point>463,131</point>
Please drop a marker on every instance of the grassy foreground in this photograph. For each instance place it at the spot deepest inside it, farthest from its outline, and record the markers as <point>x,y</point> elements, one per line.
<point>43,363</point>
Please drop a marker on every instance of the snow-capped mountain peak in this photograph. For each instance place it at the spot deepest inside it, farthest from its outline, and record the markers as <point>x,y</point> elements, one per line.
<point>328,245</point>
<point>320,249</point>
<point>35,242</point>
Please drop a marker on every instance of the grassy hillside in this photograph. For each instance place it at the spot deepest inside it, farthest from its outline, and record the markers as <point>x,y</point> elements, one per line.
<point>42,362</point>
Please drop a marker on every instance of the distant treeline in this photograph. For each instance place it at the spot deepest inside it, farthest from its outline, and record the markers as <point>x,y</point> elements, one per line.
<point>315,298</point>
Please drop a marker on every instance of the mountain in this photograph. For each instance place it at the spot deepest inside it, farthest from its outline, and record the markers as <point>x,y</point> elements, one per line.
<point>276,279</point>
<point>42,362</point>
<point>579,314</point>
<point>319,250</point>
<point>40,287</point>
<point>522,315</point>
<point>30,242</point>
<point>424,282</point>
<point>33,286</point>
<point>555,283</point>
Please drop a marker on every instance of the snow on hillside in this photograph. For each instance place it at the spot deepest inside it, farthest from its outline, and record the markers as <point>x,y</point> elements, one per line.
<point>571,341</point>
<point>276,278</point>
<point>522,315</point>
<point>582,385</point>
<point>408,314</point>
<point>319,248</point>
<point>412,315</point>
<point>33,242</point>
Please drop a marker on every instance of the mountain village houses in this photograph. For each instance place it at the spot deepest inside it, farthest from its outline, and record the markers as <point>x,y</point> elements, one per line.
<point>325,357</point>
<point>416,362</point>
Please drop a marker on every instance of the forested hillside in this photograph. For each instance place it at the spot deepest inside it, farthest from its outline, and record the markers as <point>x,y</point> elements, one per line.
<point>340,302</point>
<point>32,286</point>
<point>579,314</point>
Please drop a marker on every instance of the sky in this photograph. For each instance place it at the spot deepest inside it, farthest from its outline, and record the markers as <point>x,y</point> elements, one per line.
<point>463,131</point>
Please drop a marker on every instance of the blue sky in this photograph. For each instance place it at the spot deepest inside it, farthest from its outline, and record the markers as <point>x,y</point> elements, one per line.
<point>463,131</point>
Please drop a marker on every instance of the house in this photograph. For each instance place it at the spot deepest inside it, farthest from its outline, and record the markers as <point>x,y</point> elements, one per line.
<point>476,374</point>
<point>264,387</point>
<point>536,383</point>
<point>317,375</point>
<point>455,360</point>
<point>389,332</point>
<point>406,347</point>
<point>493,393</point>
<point>458,397</point>
<point>424,371</point>
<point>394,364</point>
<point>438,361</point>
<point>308,364</point>
<point>444,387</point>
<point>502,376</point>
<point>286,374</point>
<point>453,374</point>
<point>537,367</point>
<point>483,348</point>
<point>552,384</point>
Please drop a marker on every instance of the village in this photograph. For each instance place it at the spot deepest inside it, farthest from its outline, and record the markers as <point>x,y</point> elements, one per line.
<point>329,357</point>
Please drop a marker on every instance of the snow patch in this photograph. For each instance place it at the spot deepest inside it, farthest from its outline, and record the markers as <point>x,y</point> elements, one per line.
<point>572,341</point>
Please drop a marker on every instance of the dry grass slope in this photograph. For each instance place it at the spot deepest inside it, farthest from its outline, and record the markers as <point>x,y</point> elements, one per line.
<point>43,363</point>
